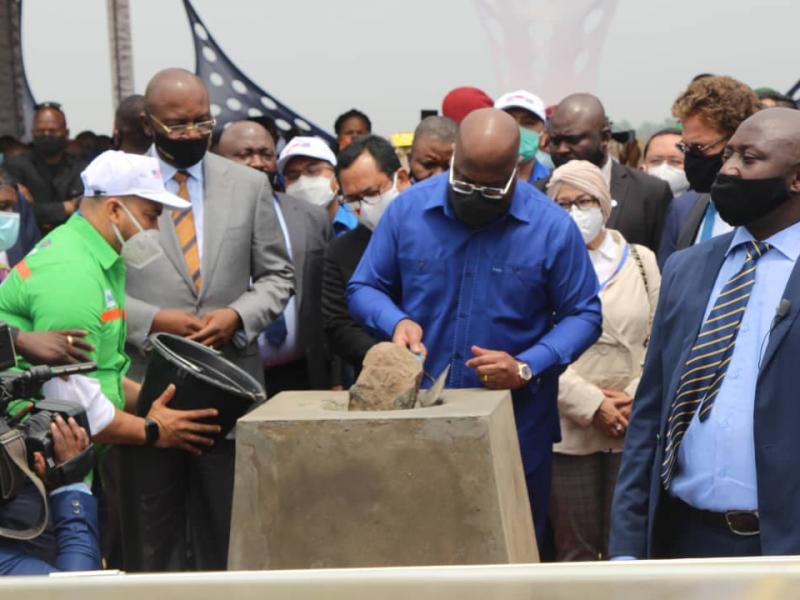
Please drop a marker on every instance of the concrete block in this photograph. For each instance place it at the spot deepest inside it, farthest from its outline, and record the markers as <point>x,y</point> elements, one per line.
<point>318,486</point>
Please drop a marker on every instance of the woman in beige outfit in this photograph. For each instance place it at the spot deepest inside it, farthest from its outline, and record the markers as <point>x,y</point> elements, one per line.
<point>596,391</point>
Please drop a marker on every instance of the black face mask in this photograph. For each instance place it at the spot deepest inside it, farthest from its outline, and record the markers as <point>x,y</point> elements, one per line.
<point>49,145</point>
<point>181,153</point>
<point>744,201</point>
<point>701,170</point>
<point>475,211</point>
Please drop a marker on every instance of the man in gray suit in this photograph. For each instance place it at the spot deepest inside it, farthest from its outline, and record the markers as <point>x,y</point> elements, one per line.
<point>293,346</point>
<point>225,277</point>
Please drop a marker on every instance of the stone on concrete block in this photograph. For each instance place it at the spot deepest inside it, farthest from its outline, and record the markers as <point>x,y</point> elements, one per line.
<point>318,486</point>
<point>389,379</point>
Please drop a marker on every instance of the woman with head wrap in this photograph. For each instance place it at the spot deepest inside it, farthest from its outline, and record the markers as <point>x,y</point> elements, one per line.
<point>596,392</point>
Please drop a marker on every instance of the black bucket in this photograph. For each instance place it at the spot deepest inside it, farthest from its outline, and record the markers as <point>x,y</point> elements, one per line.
<point>203,378</point>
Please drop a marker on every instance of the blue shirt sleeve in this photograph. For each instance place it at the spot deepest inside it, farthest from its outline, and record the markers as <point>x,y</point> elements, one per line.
<point>573,289</point>
<point>370,289</point>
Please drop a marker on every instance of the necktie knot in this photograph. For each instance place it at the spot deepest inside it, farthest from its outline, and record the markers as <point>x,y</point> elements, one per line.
<point>756,249</point>
<point>180,177</point>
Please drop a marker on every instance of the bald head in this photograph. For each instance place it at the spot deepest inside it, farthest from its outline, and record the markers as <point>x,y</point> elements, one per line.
<point>765,145</point>
<point>579,130</point>
<point>487,146</point>
<point>250,144</point>
<point>174,87</point>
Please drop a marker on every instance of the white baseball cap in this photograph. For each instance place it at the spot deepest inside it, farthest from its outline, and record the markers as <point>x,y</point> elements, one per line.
<point>312,147</point>
<point>522,99</point>
<point>116,173</point>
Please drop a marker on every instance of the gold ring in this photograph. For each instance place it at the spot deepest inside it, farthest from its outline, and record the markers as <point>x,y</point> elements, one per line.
<point>70,340</point>
<point>485,379</point>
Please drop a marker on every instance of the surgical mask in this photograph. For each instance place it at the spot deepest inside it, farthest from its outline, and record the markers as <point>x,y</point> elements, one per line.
<point>9,229</point>
<point>49,145</point>
<point>372,207</point>
<point>140,249</point>
<point>528,144</point>
<point>182,154</point>
<point>701,170</point>
<point>675,177</point>
<point>744,201</point>
<point>314,190</point>
<point>589,221</point>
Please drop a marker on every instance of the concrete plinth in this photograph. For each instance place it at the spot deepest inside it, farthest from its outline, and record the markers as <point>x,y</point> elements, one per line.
<point>320,487</point>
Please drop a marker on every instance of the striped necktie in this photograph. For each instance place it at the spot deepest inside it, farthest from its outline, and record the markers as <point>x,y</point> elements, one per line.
<point>704,370</point>
<point>184,227</point>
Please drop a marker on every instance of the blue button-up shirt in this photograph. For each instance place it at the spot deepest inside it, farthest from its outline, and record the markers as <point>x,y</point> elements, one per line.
<point>523,285</point>
<point>540,171</point>
<point>716,459</point>
<point>343,221</point>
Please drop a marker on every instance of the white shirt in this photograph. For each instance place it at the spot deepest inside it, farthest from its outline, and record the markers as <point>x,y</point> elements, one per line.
<point>605,259</point>
<point>290,349</point>
<point>606,170</point>
<point>194,184</point>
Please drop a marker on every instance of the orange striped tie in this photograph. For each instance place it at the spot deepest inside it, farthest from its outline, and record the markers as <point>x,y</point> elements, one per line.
<point>184,227</point>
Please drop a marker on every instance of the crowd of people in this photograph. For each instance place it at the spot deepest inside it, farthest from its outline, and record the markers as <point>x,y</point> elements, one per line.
<point>640,307</point>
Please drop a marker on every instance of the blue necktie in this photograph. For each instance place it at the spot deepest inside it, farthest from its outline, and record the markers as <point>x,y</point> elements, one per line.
<point>276,331</point>
<point>705,368</point>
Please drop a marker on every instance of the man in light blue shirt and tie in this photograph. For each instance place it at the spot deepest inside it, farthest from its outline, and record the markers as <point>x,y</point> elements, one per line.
<point>709,466</point>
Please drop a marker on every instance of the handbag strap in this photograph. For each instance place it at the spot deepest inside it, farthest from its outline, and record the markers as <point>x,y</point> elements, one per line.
<point>13,444</point>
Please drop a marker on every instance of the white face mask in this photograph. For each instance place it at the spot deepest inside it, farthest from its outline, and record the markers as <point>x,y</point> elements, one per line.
<point>675,177</point>
<point>372,207</point>
<point>590,222</point>
<point>140,249</point>
<point>314,190</point>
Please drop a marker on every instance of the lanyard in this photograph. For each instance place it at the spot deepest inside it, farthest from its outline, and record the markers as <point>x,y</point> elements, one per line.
<point>618,269</point>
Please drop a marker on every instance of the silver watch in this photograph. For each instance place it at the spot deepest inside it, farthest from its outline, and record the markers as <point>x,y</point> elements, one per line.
<point>524,371</point>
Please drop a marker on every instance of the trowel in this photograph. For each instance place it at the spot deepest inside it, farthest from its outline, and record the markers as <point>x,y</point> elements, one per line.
<point>431,396</point>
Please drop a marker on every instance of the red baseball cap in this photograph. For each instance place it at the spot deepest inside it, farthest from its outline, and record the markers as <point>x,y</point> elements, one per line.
<point>461,101</point>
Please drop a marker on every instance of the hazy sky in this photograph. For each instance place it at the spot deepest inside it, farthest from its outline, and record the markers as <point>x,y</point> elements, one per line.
<point>390,59</point>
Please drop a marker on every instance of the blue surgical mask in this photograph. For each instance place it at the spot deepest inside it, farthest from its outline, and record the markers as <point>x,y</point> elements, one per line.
<point>528,144</point>
<point>9,229</point>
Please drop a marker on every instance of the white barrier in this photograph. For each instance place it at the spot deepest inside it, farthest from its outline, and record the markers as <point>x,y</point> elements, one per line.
<point>732,579</point>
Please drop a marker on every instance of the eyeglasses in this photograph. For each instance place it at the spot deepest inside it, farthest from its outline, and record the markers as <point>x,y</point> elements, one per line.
<point>204,127</point>
<point>488,192</point>
<point>581,202</point>
<point>312,169</point>
<point>697,149</point>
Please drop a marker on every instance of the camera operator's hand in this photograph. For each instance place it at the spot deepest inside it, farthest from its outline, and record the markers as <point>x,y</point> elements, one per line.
<point>69,440</point>
<point>182,428</point>
<point>54,347</point>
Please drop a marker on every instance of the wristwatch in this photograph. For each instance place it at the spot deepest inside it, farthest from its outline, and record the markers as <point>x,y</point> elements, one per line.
<point>151,431</point>
<point>524,371</point>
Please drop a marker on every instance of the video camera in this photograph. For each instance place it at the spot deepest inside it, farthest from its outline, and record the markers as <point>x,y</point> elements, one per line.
<point>28,430</point>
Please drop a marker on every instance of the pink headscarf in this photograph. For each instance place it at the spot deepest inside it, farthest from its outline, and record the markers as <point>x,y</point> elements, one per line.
<point>585,176</point>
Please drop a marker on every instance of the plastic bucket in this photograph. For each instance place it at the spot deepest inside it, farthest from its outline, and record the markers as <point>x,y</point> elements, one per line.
<point>203,379</point>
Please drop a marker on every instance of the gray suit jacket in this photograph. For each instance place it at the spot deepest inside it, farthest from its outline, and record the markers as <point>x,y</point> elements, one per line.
<point>310,231</point>
<point>244,265</point>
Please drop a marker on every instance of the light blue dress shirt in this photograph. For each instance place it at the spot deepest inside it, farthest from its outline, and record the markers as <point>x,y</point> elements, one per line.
<point>716,459</point>
<point>290,349</point>
<point>194,183</point>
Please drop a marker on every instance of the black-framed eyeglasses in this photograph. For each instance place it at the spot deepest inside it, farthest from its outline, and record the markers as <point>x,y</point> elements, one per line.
<point>697,149</point>
<point>581,202</point>
<point>490,193</point>
<point>204,127</point>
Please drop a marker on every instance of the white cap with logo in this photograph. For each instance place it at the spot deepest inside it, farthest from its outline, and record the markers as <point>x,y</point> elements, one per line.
<point>312,147</point>
<point>116,173</point>
<point>524,100</point>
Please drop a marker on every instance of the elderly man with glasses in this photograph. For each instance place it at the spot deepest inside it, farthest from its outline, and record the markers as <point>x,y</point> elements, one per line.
<point>225,275</point>
<point>481,272</point>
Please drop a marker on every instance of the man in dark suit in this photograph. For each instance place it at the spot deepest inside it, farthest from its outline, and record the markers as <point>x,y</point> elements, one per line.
<point>292,346</point>
<point>49,174</point>
<point>709,110</point>
<point>579,129</point>
<point>370,176</point>
<point>709,465</point>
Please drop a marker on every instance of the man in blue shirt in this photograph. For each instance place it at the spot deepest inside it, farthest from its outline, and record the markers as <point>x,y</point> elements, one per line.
<point>709,466</point>
<point>528,111</point>
<point>73,515</point>
<point>495,280</point>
